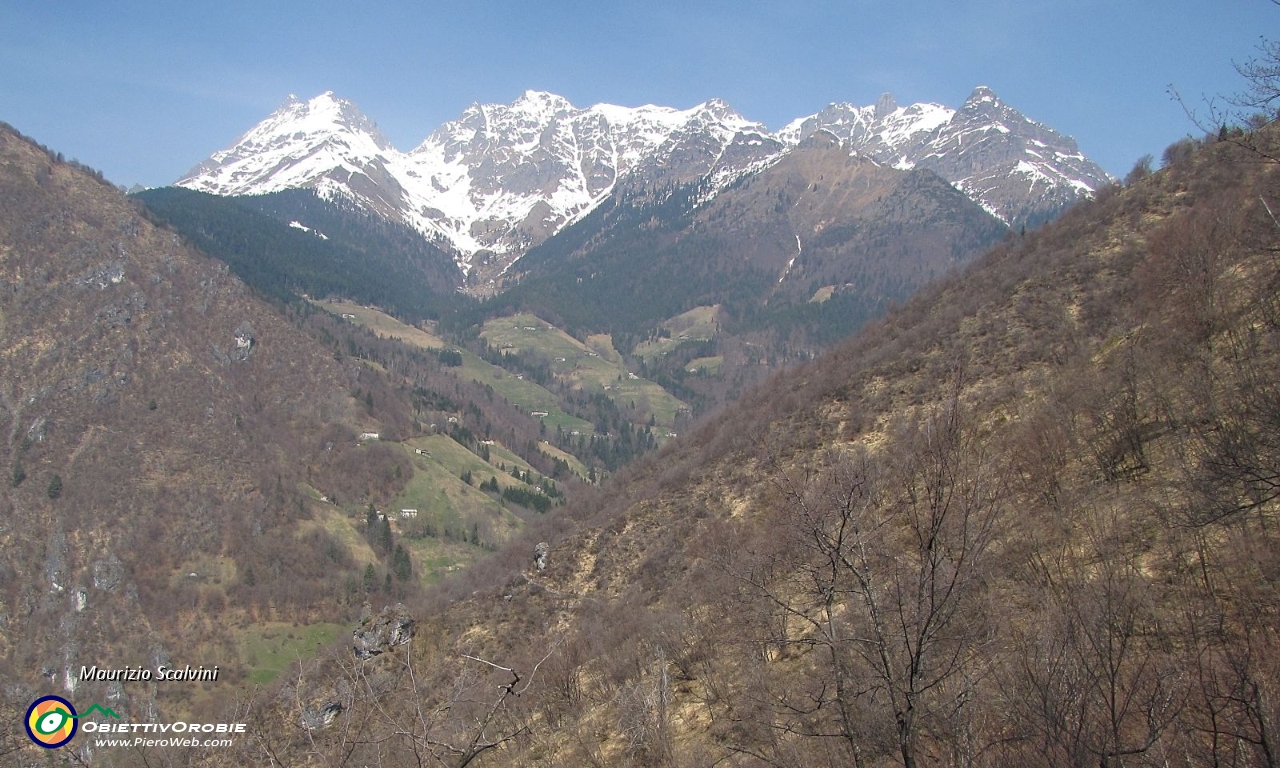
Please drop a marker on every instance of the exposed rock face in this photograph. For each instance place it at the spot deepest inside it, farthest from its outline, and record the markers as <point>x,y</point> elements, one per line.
<point>885,106</point>
<point>320,716</point>
<point>497,180</point>
<point>108,573</point>
<point>244,342</point>
<point>380,633</point>
<point>1019,170</point>
<point>322,710</point>
<point>540,553</point>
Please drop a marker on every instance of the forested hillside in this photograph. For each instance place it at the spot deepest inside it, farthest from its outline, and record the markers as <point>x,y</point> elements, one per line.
<point>1027,519</point>
<point>340,251</point>
<point>168,438</point>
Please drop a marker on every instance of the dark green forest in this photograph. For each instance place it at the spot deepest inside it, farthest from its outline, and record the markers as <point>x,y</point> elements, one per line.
<point>359,257</point>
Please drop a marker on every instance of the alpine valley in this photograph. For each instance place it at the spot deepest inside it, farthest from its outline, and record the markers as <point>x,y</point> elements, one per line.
<point>313,381</point>
<point>707,249</point>
<point>1027,516</point>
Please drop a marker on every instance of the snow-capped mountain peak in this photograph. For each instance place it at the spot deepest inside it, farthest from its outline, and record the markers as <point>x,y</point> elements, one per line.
<point>298,143</point>
<point>503,177</point>
<point>982,95</point>
<point>1018,169</point>
<point>542,103</point>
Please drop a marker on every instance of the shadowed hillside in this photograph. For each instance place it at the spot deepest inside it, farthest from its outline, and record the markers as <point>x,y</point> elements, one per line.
<point>338,251</point>
<point>1027,519</point>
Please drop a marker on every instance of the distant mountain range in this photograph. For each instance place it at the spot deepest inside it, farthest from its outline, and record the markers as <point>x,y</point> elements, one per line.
<point>503,178</point>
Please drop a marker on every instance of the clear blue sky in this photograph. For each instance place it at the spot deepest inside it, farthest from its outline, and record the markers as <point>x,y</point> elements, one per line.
<point>144,90</point>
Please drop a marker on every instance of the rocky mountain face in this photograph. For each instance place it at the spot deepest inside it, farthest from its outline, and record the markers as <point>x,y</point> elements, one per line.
<point>817,224</point>
<point>502,178</point>
<point>1021,171</point>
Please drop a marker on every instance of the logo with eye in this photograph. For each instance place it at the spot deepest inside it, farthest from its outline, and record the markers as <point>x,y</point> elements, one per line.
<point>51,721</point>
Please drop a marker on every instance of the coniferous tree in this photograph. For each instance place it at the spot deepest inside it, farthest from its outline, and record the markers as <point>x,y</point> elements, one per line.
<point>401,564</point>
<point>384,537</point>
<point>371,529</point>
<point>55,486</point>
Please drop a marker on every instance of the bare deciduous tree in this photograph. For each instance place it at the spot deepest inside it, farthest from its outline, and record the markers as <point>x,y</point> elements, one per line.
<point>1098,686</point>
<point>882,576</point>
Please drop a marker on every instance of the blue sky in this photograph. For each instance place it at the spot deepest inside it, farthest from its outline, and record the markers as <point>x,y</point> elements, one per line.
<point>144,90</point>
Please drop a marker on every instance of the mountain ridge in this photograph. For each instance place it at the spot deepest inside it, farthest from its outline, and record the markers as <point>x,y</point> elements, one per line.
<point>502,178</point>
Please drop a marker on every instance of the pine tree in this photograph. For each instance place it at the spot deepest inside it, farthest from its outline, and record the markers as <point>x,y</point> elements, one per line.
<point>384,537</point>
<point>55,486</point>
<point>371,526</point>
<point>401,564</point>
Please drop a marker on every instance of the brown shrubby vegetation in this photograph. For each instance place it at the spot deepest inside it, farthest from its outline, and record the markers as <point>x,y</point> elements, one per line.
<point>1027,519</point>
<point>178,413</point>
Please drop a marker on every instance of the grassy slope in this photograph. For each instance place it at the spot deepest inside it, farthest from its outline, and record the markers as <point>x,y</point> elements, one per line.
<point>698,324</point>
<point>382,324</point>
<point>582,365</point>
<point>526,395</point>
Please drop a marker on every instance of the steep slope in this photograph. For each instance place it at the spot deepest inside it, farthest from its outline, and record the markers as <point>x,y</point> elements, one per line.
<point>502,178</point>
<point>1029,518</point>
<point>339,251</point>
<point>326,143</point>
<point>158,420</point>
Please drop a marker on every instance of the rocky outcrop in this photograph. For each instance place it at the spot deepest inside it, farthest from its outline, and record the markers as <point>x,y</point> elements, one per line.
<point>378,633</point>
<point>320,716</point>
<point>244,342</point>
<point>108,573</point>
